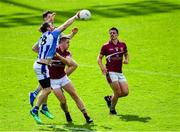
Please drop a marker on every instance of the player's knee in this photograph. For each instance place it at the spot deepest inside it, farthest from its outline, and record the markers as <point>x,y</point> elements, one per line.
<point>125,93</point>
<point>46,91</point>
<point>63,102</point>
<point>74,95</point>
<point>118,94</point>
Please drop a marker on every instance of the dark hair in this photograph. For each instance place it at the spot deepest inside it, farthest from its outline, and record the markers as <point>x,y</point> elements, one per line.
<point>63,38</point>
<point>113,28</point>
<point>44,15</point>
<point>44,26</point>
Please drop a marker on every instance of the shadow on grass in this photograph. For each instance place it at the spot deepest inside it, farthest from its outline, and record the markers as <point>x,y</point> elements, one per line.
<point>135,9</point>
<point>134,118</point>
<point>119,10</point>
<point>68,127</point>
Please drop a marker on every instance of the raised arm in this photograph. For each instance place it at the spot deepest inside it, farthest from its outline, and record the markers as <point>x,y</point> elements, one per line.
<point>74,31</point>
<point>68,22</point>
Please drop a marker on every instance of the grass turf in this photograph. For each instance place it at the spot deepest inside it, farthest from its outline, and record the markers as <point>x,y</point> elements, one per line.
<point>151,31</point>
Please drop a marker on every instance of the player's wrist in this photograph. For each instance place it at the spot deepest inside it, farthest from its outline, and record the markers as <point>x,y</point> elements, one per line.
<point>103,69</point>
<point>76,16</point>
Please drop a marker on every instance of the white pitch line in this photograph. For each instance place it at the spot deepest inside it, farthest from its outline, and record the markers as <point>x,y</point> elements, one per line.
<point>16,58</point>
<point>153,73</point>
<point>138,71</point>
<point>96,66</point>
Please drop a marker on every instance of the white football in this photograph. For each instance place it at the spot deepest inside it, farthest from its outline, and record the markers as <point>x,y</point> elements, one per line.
<point>85,14</point>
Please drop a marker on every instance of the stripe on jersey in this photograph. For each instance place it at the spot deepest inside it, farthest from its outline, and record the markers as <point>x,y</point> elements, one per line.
<point>52,50</point>
<point>41,50</point>
<point>109,56</point>
<point>113,54</point>
<point>47,48</point>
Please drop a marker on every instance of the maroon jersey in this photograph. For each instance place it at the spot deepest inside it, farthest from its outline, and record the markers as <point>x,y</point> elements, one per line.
<point>56,71</point>
<point>114,55</point>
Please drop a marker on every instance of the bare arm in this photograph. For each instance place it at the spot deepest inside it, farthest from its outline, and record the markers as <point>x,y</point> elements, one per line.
<point>35,48</point>
<point>63,59</point>
<point>126,58</point>
<point>68,22</point>
<point>74,31</point>
<point>72,67</point>
<point>102,67</point>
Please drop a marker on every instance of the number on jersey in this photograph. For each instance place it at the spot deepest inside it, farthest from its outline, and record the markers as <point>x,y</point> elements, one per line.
<point>43,40</point>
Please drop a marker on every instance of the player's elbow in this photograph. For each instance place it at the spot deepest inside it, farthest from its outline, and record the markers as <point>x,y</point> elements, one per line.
<point>68,62</point>
<point>99,58</point>
<point>75,65</point>
<point>34,50</point>
<point>99,61</point>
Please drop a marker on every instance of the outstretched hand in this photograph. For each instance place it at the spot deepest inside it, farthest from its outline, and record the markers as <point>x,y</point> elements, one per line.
<point>78,14</point>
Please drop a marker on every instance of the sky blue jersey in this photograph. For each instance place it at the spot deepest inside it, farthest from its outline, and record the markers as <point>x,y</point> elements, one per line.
<point>47,44</point>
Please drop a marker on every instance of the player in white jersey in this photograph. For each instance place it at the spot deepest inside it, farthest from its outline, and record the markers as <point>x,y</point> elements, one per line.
<point>48,16</point>
<point>47,47</point>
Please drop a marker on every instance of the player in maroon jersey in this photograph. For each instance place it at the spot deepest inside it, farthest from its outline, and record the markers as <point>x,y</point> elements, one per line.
<point>48,16</point>
<point>69,69</point>
<point>60,81</point>
<point>114,51</point>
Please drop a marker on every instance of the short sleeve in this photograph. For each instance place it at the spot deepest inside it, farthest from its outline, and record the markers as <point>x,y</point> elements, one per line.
<point>103,50</point>
<point>56,33</point>
<point>125,48</point>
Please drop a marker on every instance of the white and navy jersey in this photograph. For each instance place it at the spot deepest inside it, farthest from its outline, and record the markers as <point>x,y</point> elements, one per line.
<point>61,34</point>
<point>47,44</point>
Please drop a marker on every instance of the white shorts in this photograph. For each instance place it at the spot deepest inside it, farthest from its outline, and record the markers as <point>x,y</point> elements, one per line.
<point>115,76</point>
<point>41,70</point>
<point>59,83</point>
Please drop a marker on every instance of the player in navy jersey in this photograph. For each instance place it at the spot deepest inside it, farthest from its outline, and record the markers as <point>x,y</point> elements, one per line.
<point>48,16</point>
<point>47,49</point>
<point>60,81</point>
<point>114,51</point>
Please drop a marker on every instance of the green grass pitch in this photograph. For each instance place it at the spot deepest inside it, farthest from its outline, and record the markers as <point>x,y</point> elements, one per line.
<point>151,30</point>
